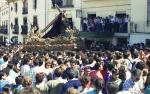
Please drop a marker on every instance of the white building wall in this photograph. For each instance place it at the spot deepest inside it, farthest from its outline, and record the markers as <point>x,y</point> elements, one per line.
<point>138,38</point>
<point>139,15</point>
<point>104,8</point>
<point>40,12</point>
<point>4,14</point>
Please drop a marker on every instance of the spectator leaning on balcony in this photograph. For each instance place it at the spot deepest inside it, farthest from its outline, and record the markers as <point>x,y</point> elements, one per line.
<point>84,24</point>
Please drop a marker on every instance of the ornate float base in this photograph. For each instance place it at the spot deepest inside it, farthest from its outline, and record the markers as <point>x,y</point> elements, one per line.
<point>58,47</point>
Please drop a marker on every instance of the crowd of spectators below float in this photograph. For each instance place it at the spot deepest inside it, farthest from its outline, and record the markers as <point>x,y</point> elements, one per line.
<point>75,72</point>
<point>107,24</point>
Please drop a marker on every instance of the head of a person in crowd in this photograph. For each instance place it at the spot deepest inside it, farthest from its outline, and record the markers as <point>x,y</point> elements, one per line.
<point>147,80</point>
<point>73,64</point>
<point>1,75</point>
<point>63,67</point>
<point>1,54</point>
<point>112,88</point>
<point>140,65</point>
<point>136,74</point>
<point>97,66</point>
<point>27,81</point>
<point>35,54</point>
<point>110,66</point>
<point>54,63</point>
<point>148,57</point>
<point>60,61</point>
<point>48,64</point>
<point>72,90</point>
<point>19,80</point>
<point>86,70</point>
<point>36,62</point>
<point>115,74</point>
<point>122,73</point>
<point>29,90</point>
<point>84,81</point>
<point>148,64</point>
<point>6,72</point>
<point>10,66</point>
<point>72,54</point>
<point>142,55</point>
<point>5,58</point>
<point>147,51</point>
<point>135,54</point>
<point>78,57</point>
<point>58,72</point>
<point>41,61</point>
<point>70,73</point>
<point>118,54</point>
<point>46,56</point>
<point>98,83</point>
<point>127,54</point>
<point>117,64</point>
<point>39,77</point>
<point>91,60</point>
<point>25,61</point>
<point>85,61</point>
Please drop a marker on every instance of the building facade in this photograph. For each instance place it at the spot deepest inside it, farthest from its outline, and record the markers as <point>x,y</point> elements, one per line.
<point>23,16</point>
<point>4,16</point>
<point>135,13</point>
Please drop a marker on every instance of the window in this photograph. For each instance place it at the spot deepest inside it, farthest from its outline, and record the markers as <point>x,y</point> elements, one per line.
<point>34,4</point>
<point>11,8</point>
<point>25,20</point>
<point>16,21</point>
<point>68,2</point>
<point>148,42</point>
<point>16,7</point>
<point>25,7</point>
<point>91,15</point>
<point>35,20</point>
<point>148,11</point>
<point>25,4</point>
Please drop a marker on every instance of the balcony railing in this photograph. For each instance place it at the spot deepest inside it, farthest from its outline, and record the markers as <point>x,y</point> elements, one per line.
<point>16,29</point>
<point>24,29</point>
<point>62,3</point>
<point>24,10</point>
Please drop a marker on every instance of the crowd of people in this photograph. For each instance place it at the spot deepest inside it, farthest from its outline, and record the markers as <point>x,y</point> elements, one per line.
<point>107,24</point>
<point>75,72</point>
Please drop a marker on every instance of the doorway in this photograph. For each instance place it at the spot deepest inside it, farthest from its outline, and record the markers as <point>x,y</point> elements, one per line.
<point>91,16</point>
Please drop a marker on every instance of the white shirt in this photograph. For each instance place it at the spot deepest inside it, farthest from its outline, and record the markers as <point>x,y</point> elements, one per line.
<point>25,70</point>
<point>4,65</point>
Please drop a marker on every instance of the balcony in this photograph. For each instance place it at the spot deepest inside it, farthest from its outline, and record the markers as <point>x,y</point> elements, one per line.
<point>24,10</point>
<point>96,34</point>
<point>24,29</point>
<point>4,30</point>
<point>104,25</point>
<point>62,3</point>
<point>16,29</point>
